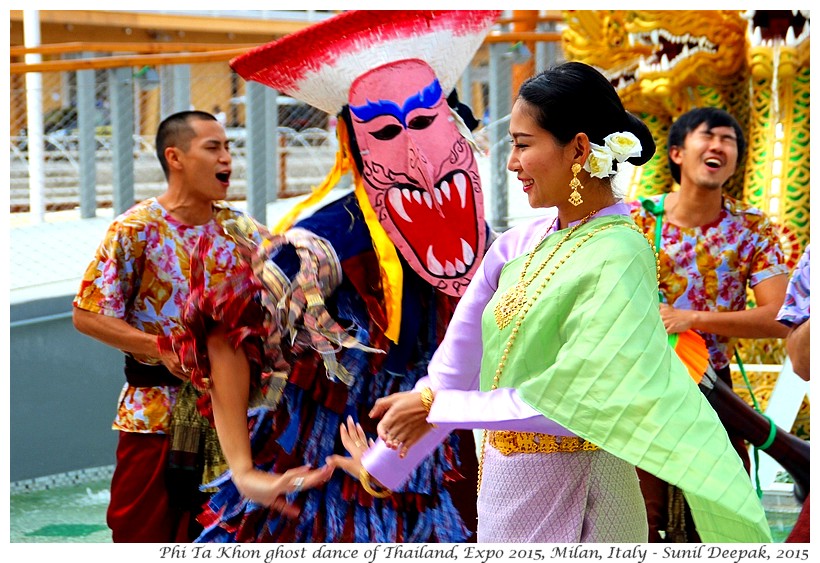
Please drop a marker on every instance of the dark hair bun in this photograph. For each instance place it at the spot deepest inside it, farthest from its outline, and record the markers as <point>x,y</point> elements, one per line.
<point>636,126</point>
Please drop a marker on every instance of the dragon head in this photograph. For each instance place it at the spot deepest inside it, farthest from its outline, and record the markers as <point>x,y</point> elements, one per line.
<point>781,32</point>
<point>653,56</point>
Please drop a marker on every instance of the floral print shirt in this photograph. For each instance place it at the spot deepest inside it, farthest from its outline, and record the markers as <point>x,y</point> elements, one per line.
<point>795,310</point>
<point>140,274</point>
<point>708,268</point>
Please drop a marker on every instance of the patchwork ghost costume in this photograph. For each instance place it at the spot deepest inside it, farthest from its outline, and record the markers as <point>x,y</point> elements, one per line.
<point>347,305</point>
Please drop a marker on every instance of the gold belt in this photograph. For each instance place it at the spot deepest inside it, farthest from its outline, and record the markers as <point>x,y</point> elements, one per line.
<point>509,442</point>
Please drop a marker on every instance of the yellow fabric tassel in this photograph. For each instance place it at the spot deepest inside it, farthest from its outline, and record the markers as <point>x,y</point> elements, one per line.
<point>389,265</point>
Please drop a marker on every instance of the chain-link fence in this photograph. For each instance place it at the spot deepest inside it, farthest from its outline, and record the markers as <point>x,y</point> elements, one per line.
<point>306,137</point>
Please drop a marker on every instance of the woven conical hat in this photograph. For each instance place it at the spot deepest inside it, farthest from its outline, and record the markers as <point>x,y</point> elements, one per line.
<point>318,64</point>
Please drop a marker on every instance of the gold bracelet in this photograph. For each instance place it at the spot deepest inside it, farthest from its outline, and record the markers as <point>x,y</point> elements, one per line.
<point>427,398</point>
<point>364,479</point>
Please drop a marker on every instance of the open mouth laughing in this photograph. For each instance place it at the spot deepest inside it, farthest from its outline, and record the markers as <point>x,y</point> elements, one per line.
<point>713,163</point>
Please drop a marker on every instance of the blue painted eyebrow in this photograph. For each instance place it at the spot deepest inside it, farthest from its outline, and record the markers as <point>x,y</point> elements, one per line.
<point>426,98</point>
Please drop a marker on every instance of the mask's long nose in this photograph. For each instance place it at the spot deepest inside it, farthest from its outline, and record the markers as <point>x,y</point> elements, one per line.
<point>426,175</point>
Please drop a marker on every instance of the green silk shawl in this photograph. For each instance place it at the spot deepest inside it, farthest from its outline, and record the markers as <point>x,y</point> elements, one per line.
<point>592,354</point>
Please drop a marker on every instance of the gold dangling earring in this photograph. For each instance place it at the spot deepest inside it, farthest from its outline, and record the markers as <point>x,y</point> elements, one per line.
<point>575,197</point>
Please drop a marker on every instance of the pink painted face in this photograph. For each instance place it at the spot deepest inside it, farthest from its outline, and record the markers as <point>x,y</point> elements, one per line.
<point>419,172</point>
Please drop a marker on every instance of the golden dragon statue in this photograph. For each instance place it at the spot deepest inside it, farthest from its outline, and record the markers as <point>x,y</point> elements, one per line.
<point>754,64</point>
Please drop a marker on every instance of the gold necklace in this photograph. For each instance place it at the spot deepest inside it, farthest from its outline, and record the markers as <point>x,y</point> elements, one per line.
<point>513,299</point>
<point>523,313</point>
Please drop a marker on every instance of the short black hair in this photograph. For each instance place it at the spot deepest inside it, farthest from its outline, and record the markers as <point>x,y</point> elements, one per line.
<point>176,131</point>
<point>691,120</point>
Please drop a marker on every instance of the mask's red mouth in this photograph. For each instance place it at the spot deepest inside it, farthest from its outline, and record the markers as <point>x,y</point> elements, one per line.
<point>441,227</point>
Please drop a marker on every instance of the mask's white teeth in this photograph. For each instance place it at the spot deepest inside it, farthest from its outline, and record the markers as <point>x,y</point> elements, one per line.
<point>445,189</point>
<point>467,252</point>
<point>428,200</point>
<point>397,202</point>
<point>437,193</point>
<point>460,267</point>
<point>449,269</point>
<point>406,194</point>
<point>417,196</point>
<point>461,185</point>
<point>433,265</point>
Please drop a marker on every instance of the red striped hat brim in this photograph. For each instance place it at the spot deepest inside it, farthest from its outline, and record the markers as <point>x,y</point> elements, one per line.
<point>318,64</point>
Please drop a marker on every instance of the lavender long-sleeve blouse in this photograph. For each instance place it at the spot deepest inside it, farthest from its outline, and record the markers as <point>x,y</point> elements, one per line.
<point>454,370</point>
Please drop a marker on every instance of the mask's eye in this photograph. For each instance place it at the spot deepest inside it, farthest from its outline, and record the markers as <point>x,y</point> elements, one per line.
<point>388,132</point>
<point>421,122</point>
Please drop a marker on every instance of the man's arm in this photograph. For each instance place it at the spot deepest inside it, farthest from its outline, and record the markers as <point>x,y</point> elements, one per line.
<point>797,346</point>
<point>119,334</point>
<point>758,322</point>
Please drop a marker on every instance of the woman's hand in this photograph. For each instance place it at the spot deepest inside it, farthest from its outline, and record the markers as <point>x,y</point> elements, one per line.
<point>356,443</point>
<point>404,420</point>
<point>269,489</point>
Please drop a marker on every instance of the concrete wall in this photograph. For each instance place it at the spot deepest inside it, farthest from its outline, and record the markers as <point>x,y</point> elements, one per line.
<point>64,388</point>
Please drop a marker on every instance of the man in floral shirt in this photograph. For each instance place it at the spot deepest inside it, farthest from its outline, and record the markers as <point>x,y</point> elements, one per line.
<point>711,248</point>
<point>796,314</point>
<point>132,296</point>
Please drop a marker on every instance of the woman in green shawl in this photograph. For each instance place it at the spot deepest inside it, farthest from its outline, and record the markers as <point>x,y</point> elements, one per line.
<point>558,352</point>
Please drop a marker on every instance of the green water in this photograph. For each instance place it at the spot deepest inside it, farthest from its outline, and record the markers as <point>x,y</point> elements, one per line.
<point>71,514</point>
<point>76,514</point>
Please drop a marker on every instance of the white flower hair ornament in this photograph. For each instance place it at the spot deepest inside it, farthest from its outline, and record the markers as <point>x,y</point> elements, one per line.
<point>618,146</point>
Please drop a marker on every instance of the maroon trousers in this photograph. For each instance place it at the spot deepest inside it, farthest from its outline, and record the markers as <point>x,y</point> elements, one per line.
<point>140,510</point>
